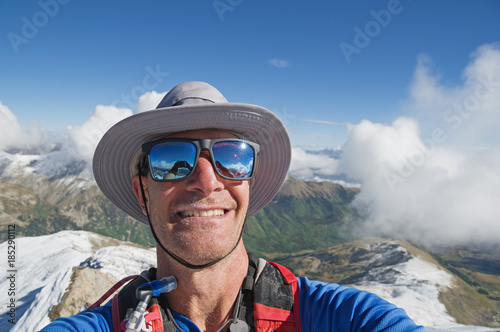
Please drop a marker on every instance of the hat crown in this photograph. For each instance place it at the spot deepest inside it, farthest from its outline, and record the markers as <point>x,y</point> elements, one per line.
<point>192,93</point>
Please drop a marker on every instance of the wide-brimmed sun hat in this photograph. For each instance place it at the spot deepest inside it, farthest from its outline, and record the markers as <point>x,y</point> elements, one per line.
<point>191,106</point>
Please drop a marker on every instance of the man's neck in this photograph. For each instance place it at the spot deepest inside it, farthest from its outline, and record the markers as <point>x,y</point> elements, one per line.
<point>206,296</point>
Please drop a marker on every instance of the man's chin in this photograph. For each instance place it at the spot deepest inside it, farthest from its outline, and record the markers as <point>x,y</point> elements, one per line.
<point>199,254</point>
<point>202,258</point>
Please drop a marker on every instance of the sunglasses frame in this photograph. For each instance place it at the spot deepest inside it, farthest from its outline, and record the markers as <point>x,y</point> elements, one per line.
<point>200,144</point>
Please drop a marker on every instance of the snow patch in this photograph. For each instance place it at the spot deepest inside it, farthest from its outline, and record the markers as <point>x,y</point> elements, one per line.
<point>44,267</point>
<point>414,286</point>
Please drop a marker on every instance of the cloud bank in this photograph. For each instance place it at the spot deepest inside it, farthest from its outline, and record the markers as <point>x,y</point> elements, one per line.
<point>11,132</point>
<point>149,101</point>
<point>306,165</point>
<point>85,138</point>
<point>79,141</point>
<point>434,178</point>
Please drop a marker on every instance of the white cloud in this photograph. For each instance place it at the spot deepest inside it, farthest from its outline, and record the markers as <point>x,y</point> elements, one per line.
<point>85,138</point>
<point>79,141</point>
<point>11,132</point>
<point>149,101</point>
<point>469,113</point>
<point>426,185</point>
<point>279,63</point>
<point>307,166</point>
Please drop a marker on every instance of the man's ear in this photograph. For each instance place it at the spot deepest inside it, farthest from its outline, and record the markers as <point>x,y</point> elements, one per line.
<point>136,184</point>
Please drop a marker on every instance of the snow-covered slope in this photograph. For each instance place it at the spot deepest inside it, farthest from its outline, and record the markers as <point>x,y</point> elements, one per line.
<point>48,170</point>
<point>45,264</point>
<point>413,284</point>
<point>44,267</point>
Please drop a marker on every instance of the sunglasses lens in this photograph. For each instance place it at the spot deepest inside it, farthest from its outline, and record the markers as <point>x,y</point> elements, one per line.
<point>234,159</point>
<point>172,160</point>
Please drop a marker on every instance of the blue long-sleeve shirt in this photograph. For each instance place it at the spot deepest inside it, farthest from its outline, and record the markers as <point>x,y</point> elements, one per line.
<point>323,307</point>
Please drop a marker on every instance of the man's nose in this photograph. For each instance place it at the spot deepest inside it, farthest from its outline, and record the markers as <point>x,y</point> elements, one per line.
<point>204,177</point>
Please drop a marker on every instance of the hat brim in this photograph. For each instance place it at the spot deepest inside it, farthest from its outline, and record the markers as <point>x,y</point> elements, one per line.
<point>117,148</point>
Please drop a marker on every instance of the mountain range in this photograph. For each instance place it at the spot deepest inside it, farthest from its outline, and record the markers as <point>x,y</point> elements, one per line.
<point>308,227</point>
<point>46,193</point>
<point>63,273</point>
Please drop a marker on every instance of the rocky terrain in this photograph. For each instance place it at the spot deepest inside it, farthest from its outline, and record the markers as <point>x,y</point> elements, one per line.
<point>63,273</point>
<point>398,271</point>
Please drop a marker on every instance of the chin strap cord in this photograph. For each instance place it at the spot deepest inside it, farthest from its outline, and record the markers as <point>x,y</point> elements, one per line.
<point>175,257</point>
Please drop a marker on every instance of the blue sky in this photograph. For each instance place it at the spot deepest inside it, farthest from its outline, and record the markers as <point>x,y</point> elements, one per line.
<point>283,55</point>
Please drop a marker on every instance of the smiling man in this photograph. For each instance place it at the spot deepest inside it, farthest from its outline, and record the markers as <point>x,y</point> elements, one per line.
<point>200,218</point>
<point>194,170</point>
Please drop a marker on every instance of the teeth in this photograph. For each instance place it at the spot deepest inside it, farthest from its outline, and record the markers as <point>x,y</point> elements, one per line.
<point>204,213</point>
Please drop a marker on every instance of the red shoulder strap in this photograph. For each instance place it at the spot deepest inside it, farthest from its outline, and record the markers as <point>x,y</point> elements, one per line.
<point>290,278</point>
<point>112,290</point>
<point>115,314</point>
<point>273,319</point>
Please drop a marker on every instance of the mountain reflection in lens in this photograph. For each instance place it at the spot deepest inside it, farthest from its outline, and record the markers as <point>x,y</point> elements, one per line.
<point>233,159</point>
<point>172,160</point>
<point>175,160</point>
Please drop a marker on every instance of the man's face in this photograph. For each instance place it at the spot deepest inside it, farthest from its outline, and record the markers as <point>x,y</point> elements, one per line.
<point>198,219</point>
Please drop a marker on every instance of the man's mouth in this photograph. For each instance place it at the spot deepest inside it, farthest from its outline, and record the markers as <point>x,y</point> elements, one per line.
<point>203,213</point>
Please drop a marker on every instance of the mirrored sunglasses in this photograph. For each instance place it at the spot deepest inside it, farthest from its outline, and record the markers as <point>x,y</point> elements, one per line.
<point>175,159</point>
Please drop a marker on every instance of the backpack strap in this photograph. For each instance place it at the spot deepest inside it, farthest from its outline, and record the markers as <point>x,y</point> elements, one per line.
<point>115,314</point>
<point>276,300</point>
<point>270,299</point>
<point>113,289</point>
<point>292,280</point>
<point>125,299</point>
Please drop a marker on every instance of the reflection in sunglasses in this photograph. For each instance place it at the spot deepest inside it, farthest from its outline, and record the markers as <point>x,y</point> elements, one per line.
<point>224,171</point>
<point>174,159</point>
